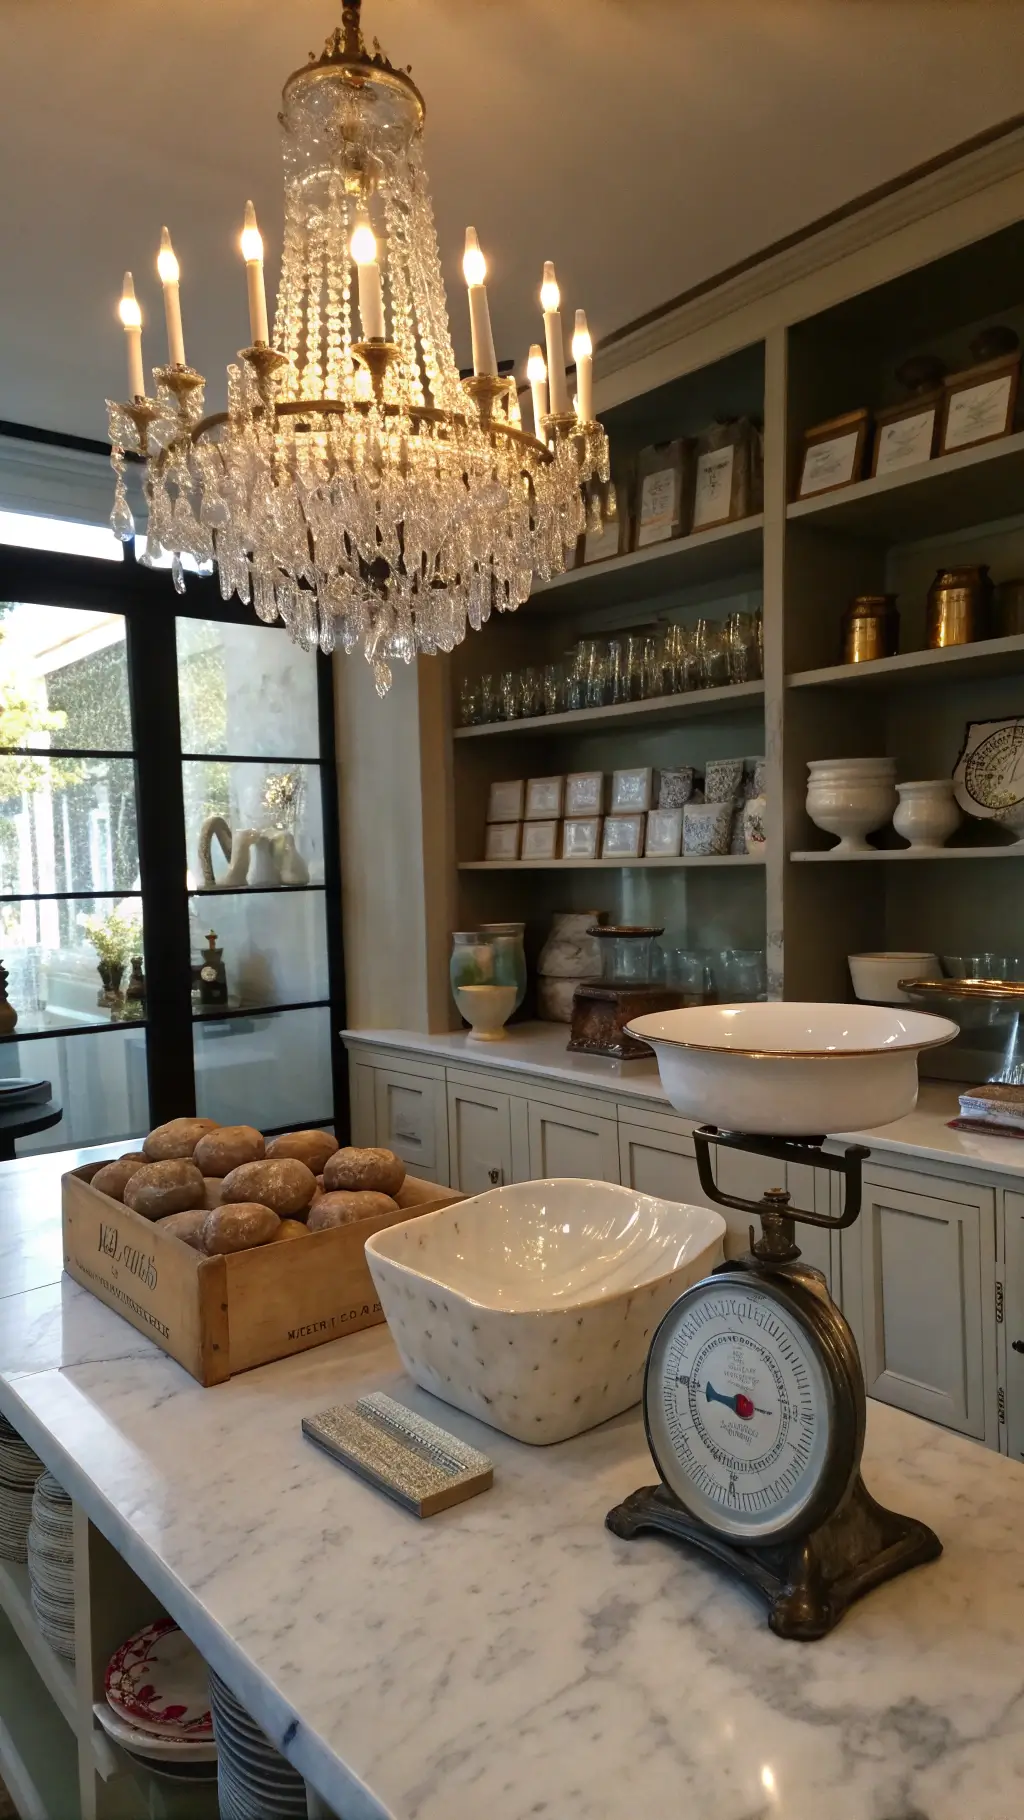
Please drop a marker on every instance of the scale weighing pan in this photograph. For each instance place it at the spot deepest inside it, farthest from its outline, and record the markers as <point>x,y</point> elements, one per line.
<point>787,1069</point>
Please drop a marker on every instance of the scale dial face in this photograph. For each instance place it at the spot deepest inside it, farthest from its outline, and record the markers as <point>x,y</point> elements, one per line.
<point>741,1409</point>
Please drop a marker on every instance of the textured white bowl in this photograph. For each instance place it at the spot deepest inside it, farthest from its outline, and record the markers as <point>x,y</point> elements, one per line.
<point>791,1069</point>
<point>533,1306</point>
<point>928,812</point>
<point>851,805</point>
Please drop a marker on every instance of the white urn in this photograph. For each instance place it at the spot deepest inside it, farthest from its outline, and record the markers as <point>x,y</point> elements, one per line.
<point>851,797</point>
<point>928,812</point>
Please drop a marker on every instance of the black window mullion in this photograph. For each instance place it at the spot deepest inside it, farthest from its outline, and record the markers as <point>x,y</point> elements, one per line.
<point>153,690</point>
<point>332,894</point>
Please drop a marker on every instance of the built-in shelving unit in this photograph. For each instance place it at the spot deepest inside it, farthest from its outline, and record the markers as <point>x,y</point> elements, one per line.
<point>56,1674</point>
<point>659,570</point>
<point>972,486</point>
<point>737,698</point>
<point>701,862</point>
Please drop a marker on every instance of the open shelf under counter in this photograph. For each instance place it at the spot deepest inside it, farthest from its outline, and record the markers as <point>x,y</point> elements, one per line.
<point>972,486</point>
<point>55,1672</point>
<point>925,855</point>
<point>732,698</point>
<point>660,569</point>
<point>608,865</point>
<point>985,657</point>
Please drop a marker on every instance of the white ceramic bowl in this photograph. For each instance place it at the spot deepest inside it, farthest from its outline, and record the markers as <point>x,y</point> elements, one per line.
<point>851,797</point>
<point>486,1009</point>
<point>533,1306</point>
<point>791,1069</point>
<point>928,812</point>
<point>876,977</point>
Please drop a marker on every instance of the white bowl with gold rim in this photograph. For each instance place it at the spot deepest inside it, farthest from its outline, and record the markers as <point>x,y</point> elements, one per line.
<point>790,1069</point>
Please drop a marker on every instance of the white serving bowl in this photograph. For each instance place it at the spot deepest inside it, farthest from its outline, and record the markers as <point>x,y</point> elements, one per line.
<point>533,1306</point>
<point>792,1070</point>
<point>876,977</point>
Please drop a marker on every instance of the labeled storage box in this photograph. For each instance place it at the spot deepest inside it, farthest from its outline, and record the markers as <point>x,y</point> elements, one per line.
<point>581,837</point>
<point>632,790</point>
<point>664,834</point>
<point>544,798</point>
<point>584,793</point>
<point>218,1316</point>
<point>623,836</point>
<point>502,840</point>
<point>505,800</point>
<point>540,840</point>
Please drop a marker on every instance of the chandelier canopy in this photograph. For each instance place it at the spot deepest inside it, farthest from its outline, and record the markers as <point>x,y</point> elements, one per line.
<point>356,488</point>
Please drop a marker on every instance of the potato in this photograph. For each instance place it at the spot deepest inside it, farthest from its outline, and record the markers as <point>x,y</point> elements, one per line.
<point>213,1191</point>
<point>290,1229</point>
<point>156,1189</point>
<point>342,1209</point>
<point>113,1178</point>
<point>380,1171</point>
<point>187,1226</point>
<point>286,1185</point>
<point>178,1138</point>
<point>239,1227</point>
<point>226,1148</point>
<point>310,1147</point>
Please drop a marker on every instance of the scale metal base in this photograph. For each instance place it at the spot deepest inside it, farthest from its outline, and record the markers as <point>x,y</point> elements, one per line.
<point>810,1583</point>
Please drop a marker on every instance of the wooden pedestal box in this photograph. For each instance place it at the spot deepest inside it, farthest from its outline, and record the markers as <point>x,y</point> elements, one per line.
<point>218,1316</point>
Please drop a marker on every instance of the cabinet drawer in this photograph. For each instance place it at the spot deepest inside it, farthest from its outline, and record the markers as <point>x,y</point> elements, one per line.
<point>479,1139</point>
<point>918,1274</point>
<point>564,1143</point>
<point>411,1120</point>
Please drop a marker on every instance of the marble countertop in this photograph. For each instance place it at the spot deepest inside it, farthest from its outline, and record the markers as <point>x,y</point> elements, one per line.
<point>539,1050</point>
<point>510,1658</point>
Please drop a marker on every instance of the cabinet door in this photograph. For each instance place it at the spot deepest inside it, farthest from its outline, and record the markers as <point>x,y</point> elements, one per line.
<point>363,1112</point>
<point>919,1278</point>
<point>660,1164</point>
<point>572,1143</point>
<point>1013,1274</point>
<point>479,1138</point>
<point>412,1120</point>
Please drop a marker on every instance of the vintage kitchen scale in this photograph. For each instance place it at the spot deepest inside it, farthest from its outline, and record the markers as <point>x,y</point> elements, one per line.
<point>754,1400</point>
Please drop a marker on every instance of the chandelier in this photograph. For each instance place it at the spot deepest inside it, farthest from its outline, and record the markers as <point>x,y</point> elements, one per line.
<point>356,488</point>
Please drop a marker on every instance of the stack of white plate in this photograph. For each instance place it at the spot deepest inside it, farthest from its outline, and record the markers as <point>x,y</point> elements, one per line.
<point>51,1564</point>
<point>19,1470</point>
<point>176,1759</point>
<point>254,1782</point>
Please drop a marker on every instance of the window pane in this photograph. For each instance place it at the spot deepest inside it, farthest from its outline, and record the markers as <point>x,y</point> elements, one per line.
<point>53,967</point>
<point>245,689</point>
<point>99,1080</point>
<point>64,534</point>
<point>67,824</point>
<point>274,823</point>
<point>63,679</point>
<point>265,1071</point>
<point>274,945</point>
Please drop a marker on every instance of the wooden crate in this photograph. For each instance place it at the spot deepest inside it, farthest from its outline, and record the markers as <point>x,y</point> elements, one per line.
<point>218,1316</point>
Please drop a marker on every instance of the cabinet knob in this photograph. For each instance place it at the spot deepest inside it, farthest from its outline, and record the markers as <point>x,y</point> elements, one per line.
<point>1018,1345</point>
<point>494,1177</point>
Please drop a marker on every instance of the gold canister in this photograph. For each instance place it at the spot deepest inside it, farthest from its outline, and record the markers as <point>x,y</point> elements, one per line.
<point>958,606</point>
<point>871,628</point>
<point>1009,608</point>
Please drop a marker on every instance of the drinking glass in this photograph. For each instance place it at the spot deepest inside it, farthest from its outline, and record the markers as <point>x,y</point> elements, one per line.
<point>531,692</point>
<point>615,671</point>
<point>593,661</point>
<point>488,700</point>
<point>744,647</point>
<point>575,679</point>
<point>741,974</point>
<point>712,654</point>
<point>659,666</point>
<point>469,703</point>
<point>554,688</point>
<point>633,680</point>
<point>508,695</point>
<point>686,970</point>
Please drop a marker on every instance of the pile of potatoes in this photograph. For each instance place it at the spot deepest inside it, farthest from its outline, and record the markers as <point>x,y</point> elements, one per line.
<point>221,1188</point>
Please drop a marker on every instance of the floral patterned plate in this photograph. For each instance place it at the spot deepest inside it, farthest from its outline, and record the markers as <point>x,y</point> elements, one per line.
<point>159,1681</point>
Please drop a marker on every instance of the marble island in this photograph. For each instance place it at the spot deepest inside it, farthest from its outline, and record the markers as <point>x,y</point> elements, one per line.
<point>509,1658</point>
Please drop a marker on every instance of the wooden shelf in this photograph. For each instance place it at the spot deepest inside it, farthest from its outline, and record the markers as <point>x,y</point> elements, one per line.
<point>55,1672</point>
<point>605,865</point>
<point>695,704</point>
<point>661,569</point>
<point>972,486</point>
<point>987,657</point>
<point>1014,850</point>
<point>38,1754</point>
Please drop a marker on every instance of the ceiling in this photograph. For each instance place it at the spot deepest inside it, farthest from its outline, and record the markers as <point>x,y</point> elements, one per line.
<point>641,144</point>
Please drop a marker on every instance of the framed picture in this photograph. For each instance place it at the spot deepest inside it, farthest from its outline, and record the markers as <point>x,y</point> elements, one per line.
<point>979,403</point>
<point>906,434</point>
<point>834,454</point>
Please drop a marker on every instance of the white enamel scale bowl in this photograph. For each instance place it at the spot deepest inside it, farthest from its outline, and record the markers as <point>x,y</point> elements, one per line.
<point>789,1069</point>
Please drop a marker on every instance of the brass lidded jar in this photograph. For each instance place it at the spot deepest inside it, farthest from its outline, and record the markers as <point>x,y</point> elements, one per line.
<point>959,604</point>
<point>871,628</point>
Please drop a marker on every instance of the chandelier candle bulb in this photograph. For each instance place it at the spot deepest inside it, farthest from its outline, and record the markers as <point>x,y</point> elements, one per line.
<point>537,374</point>
<point>371,298</point>
<point>550,298</point>
<point>131,316</point>
<point>474,268</point>
<point>252,253</point>
<point>167,267</point>
<point>583,355</point>
<point>515,415</point>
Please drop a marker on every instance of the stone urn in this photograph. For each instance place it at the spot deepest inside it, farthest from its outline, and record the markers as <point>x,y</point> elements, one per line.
<point>568,958</point>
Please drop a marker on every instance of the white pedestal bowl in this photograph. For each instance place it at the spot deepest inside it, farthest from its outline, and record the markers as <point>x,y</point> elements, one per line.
<point>533,1306</point>
<point>791,1070</point>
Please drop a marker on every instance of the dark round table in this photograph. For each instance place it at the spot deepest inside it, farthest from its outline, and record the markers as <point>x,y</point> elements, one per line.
<point>24,1121</point>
